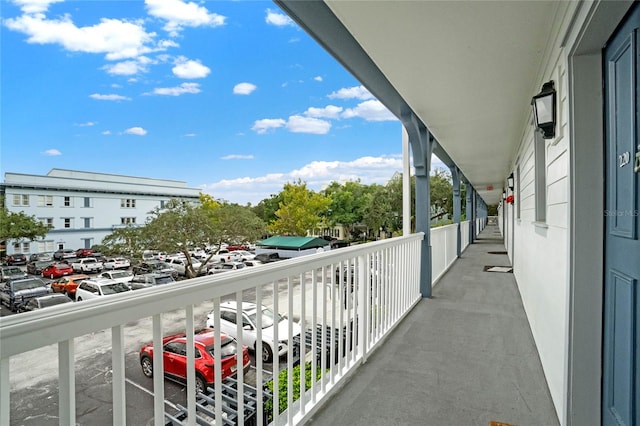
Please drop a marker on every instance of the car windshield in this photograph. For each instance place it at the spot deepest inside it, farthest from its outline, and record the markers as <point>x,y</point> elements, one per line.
<point>12,271</point>
<point>267,317</point>
<point>164,280</point>
<point>114,288</point>
<point>121,274</point>
<point>28,284</point>
<point>228,348</point>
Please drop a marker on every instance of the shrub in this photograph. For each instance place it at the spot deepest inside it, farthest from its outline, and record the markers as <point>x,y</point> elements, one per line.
<point>283,377</point>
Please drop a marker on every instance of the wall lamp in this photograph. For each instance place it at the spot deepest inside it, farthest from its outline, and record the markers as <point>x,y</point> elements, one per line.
<point>510,182</point>
<point>544,110</point>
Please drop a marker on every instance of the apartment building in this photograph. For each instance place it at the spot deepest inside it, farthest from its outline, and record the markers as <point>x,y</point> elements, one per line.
<point>84,207</point>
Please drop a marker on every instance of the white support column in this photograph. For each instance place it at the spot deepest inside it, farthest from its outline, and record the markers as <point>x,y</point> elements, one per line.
<point>406,184</point>
<point>5,392</point>
<point>158,368</point>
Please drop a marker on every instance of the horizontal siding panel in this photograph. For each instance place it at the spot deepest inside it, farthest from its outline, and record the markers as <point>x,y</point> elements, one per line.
<point>557,215</point>
<point>557,192</point>
<point>557,169</point>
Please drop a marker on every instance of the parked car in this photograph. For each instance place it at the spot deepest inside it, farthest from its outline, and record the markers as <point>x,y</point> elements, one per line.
<point>87,265</point>
<point>40,256</point>
<point>270,320</point>
<point>64,254</point>
<point>16,259</point>
<point>245,255</point>
<point>252,263</point>
<point>57,270</point>
<point>68,285</point>
<point>35,267</point>
<point>226,267</point>
<point>11,273</point>
<point>150,280</point>
<point>268,257</point>
<point>174,354</point>
<point>224,255</point>
<point>41,302</point>
<point>180,265</point>
<point>154,266</point>
<point>84,252</point>
<point>120,276</point>
<point>92,289</point>
<point>116,263</point>
<point>14,293</point>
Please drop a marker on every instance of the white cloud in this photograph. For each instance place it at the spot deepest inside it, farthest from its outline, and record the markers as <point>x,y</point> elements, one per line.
<point>237,157</point>
<point>300,124</point>
<point>87,124</point>
<point>244,88</point>
<point>179,14</point>
<point>125,68</point>
<point>184,88</point>
<point>111,97</point>
<point>318,78</point>
<point>372,110</point>
<point>106,132</point>
<point>278,19</point>
<point>186,68</point>
<point>35,6</point>
<point>330,111</point>
<point>51,153</point>
<point>317,174</point>
<point>263,126</point>
<point>190,135</point>
<point>117,39</point>
<point>138,131</point>
<point>356,92</point>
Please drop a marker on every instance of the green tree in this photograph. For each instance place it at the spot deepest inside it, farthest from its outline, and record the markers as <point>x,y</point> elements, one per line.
<point>129,241</point>
<point>378,213</point>
<point>236,224</point>
<point>348,202</point>
<point>300,210</point>
<point>441,193</point>
<point>20,226</point>
<point>267,208</point>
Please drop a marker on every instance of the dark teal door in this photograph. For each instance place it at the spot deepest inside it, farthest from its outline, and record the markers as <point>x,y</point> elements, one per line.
<point>621,339</point>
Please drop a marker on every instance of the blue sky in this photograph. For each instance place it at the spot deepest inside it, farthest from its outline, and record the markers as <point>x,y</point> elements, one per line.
<point>229,96</point>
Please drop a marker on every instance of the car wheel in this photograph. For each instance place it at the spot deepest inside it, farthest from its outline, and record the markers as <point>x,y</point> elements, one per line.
<point>147,367</point>
<point>267,353</point>
<point>201,386</point>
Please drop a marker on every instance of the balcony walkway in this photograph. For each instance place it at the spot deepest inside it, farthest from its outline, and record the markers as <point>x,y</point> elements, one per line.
<point>464,357</point>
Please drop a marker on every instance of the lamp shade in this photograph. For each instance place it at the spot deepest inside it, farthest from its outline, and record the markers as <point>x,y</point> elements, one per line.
<point>544,110</point>
<point>510,182</point>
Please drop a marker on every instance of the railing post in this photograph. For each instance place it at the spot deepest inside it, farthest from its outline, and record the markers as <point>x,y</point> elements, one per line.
<point>456,208</point>
<point>364,309</point>
<point>118,376</point>
<point>5,392</point>
<point>67,383</point>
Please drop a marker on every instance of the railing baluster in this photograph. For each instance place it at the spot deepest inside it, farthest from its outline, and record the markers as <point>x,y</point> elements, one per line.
<point>274,365</point>
<point>191,368</point>
<point>302,350</point>
<point>158,368</point>
<point>239,365</point>
<point>290,410</point>
<point>5,391</point>
<point>217,355</point>
<point>259,380</point>
<point>118,376</point>
<point>67,383</point>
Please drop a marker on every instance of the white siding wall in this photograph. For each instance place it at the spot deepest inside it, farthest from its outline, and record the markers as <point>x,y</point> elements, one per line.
<point>541,249</point>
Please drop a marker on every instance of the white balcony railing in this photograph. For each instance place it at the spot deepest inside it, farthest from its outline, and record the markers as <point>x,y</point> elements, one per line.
<point>341,327</point>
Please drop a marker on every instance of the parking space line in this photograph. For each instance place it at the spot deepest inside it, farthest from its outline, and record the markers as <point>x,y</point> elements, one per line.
<point>169,403</point>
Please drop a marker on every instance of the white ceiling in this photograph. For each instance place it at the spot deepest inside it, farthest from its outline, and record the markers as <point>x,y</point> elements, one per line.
<point>468,69</point>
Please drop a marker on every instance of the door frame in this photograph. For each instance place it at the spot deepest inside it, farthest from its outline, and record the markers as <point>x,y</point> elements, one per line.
<point>583,361</point>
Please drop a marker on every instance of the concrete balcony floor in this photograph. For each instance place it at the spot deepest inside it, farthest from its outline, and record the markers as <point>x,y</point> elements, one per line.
<point>466,356</point>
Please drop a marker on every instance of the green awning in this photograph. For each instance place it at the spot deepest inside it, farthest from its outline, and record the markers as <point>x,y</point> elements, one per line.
<point>293,243</point>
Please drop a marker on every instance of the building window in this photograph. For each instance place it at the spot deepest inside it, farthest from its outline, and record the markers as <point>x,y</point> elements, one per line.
<point>128,203</point>
<point>162,204</point>
<point>45,246</point>
<point>540,177</point>
<point>87,242</point>
<point>68,222</point>
<point>87,202</point>
<point>67,201</point>
<point>45,201</point>
<point>21,247</point>
<point>127,220</point>
<point>87,222</point>
<point>46,221</point>
<point>20,200</point>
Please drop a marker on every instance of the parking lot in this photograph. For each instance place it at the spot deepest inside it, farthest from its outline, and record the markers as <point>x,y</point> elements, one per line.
<point>34,396</point>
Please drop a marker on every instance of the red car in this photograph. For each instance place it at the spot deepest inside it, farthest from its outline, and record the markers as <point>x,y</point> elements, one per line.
<point>175,358</point>
<point>83,252</point>
<point>57,270</point>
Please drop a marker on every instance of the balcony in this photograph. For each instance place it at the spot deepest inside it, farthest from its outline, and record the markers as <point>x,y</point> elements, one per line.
<point>465,354</point>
